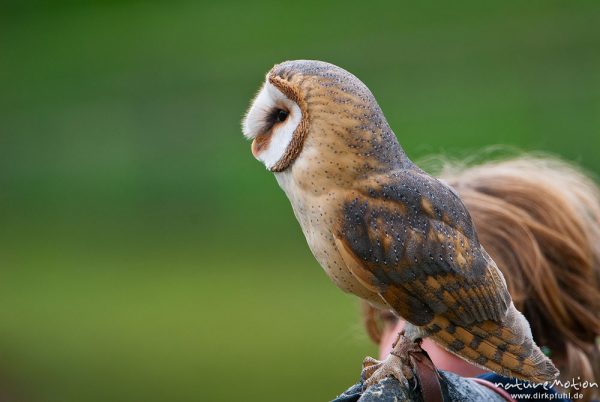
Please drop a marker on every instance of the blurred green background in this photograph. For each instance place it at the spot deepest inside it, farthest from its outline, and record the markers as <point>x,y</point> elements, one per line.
<point>146,256</point>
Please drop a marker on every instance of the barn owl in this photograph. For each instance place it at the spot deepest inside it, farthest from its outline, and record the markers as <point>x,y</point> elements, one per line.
<point>381,228</point>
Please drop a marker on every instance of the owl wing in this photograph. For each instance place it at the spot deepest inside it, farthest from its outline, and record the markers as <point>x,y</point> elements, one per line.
<point>410,239</point>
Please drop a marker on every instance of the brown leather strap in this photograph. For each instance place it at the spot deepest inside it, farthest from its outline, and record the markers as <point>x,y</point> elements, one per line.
<point>428,377</point>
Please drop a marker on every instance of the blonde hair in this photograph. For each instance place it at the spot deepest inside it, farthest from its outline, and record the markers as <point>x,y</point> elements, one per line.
<point>539,219</point>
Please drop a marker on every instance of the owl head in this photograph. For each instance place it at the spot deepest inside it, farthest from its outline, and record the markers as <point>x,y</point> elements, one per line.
<point>322,115</point>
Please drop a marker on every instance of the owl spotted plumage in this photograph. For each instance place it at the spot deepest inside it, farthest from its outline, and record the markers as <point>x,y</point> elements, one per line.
<point>382,228</point>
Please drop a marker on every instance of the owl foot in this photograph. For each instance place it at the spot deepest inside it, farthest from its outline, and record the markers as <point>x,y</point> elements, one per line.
<point>398,364</point>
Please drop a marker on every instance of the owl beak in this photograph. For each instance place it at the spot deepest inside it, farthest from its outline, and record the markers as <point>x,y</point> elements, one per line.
<point>259,143</point>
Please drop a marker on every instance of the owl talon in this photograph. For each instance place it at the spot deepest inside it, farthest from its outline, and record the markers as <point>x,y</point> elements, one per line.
<point>369,362</point>
<point>390,366</point>
<point>397,364</point>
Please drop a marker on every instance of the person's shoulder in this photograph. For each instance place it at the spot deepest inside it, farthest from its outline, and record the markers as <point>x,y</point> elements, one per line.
<point>352,394</point>
<point>452,388</point>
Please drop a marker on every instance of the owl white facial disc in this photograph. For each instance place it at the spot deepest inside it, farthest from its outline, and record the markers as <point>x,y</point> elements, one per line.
<point>271,122</point>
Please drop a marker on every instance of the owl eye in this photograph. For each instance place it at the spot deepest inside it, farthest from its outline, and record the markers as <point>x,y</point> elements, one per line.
<point>281,115</point>
<point>274,117</point>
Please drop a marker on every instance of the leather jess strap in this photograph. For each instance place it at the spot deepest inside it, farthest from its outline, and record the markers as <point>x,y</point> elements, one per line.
<point>428,377</point>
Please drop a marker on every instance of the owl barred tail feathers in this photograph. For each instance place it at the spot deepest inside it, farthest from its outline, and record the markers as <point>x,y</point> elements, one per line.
<point>506,348</point>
